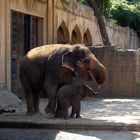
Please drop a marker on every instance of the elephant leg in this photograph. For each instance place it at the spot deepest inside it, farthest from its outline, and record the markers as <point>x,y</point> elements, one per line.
<point>58,113</point>
<point>51,90</point>
<point>65,113</point>
<point>78,111</point>
<point>28,95</point>
<point>73,111</point>
<point>50,109</point>
<point>36,102</point>
<point>29,101</point>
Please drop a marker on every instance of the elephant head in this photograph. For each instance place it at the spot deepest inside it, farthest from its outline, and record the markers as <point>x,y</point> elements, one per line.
<point>84,64</point>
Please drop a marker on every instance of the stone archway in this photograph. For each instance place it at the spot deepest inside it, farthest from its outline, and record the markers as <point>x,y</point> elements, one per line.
<point>63,36</point>
<point>87,38</point>
<point>76,36</point>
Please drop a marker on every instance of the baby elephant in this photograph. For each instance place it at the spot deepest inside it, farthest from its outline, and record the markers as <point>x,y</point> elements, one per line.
<point>71,95</point>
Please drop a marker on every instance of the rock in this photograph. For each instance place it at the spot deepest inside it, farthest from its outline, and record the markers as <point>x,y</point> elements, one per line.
<point>8,100</point>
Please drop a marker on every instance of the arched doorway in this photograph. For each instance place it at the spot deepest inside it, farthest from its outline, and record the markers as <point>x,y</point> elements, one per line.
<point>63,36</point>
<point>76,36</point>
<point>87,38</point>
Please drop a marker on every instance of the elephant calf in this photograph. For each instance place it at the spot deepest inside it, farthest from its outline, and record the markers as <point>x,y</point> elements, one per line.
<point>71,95</point>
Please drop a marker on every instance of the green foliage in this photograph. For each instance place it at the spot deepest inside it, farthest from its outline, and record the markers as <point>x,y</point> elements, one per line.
<point>107,7</point>
<point>125,14</point>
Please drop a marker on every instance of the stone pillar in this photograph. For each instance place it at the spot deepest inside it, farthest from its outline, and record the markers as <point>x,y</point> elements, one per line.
<point>50,32</point>
<point>8,43</point>
<point>2,45</point>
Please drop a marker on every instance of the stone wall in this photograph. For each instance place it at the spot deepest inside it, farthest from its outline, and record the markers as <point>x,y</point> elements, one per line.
<point>78,18</point>
<point>75,14</point>
<point>35,8</point>
<point>71,21</point>
<point>124,37</point>
<point>122,69</point>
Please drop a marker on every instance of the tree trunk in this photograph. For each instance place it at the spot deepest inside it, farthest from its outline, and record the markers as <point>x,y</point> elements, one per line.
<point>100,19</point>
<point>102,6</point>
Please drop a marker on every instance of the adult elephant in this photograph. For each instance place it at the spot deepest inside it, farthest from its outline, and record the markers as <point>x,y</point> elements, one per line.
<point>51,66</point>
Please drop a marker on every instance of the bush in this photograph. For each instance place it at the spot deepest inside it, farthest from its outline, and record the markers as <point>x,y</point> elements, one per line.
<point>125,14</point>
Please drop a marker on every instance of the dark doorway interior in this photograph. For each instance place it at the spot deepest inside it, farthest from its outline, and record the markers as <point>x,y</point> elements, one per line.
<point>63,36</point>
<point>26,33</point>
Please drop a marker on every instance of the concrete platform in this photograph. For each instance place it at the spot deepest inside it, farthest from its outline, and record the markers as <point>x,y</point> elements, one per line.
<point>98,114</point>
<point>57,134</point>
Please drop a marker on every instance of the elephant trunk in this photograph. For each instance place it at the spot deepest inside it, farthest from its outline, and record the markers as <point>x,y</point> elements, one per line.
<point>100,75</point>
<point>98,71</point>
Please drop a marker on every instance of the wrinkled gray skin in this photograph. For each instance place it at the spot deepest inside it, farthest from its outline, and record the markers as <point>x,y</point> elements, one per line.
<point>71,95</point>
<point>51,66</point>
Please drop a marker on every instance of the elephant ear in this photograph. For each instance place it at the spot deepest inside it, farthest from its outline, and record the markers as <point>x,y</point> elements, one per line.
<point>66,61</point>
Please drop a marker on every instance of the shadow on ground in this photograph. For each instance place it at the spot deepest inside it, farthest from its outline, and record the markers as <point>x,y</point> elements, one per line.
<point>98,114</point>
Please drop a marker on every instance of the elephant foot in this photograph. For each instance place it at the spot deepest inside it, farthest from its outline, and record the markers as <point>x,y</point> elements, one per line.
<point>49,113</point>
<point>66,117</point>
<point>78,116</point>
<point>58,116</point>
<point>29,113</point>
<point>71,116</point>
<point>37,112</point>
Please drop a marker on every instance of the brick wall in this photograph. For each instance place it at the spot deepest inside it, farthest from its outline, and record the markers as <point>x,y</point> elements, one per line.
<point>122,71</point>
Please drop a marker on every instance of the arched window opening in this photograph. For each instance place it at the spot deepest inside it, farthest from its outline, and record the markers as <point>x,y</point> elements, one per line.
<point>76,36</point>
<point>63,34</point>
<point>87,38</point>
